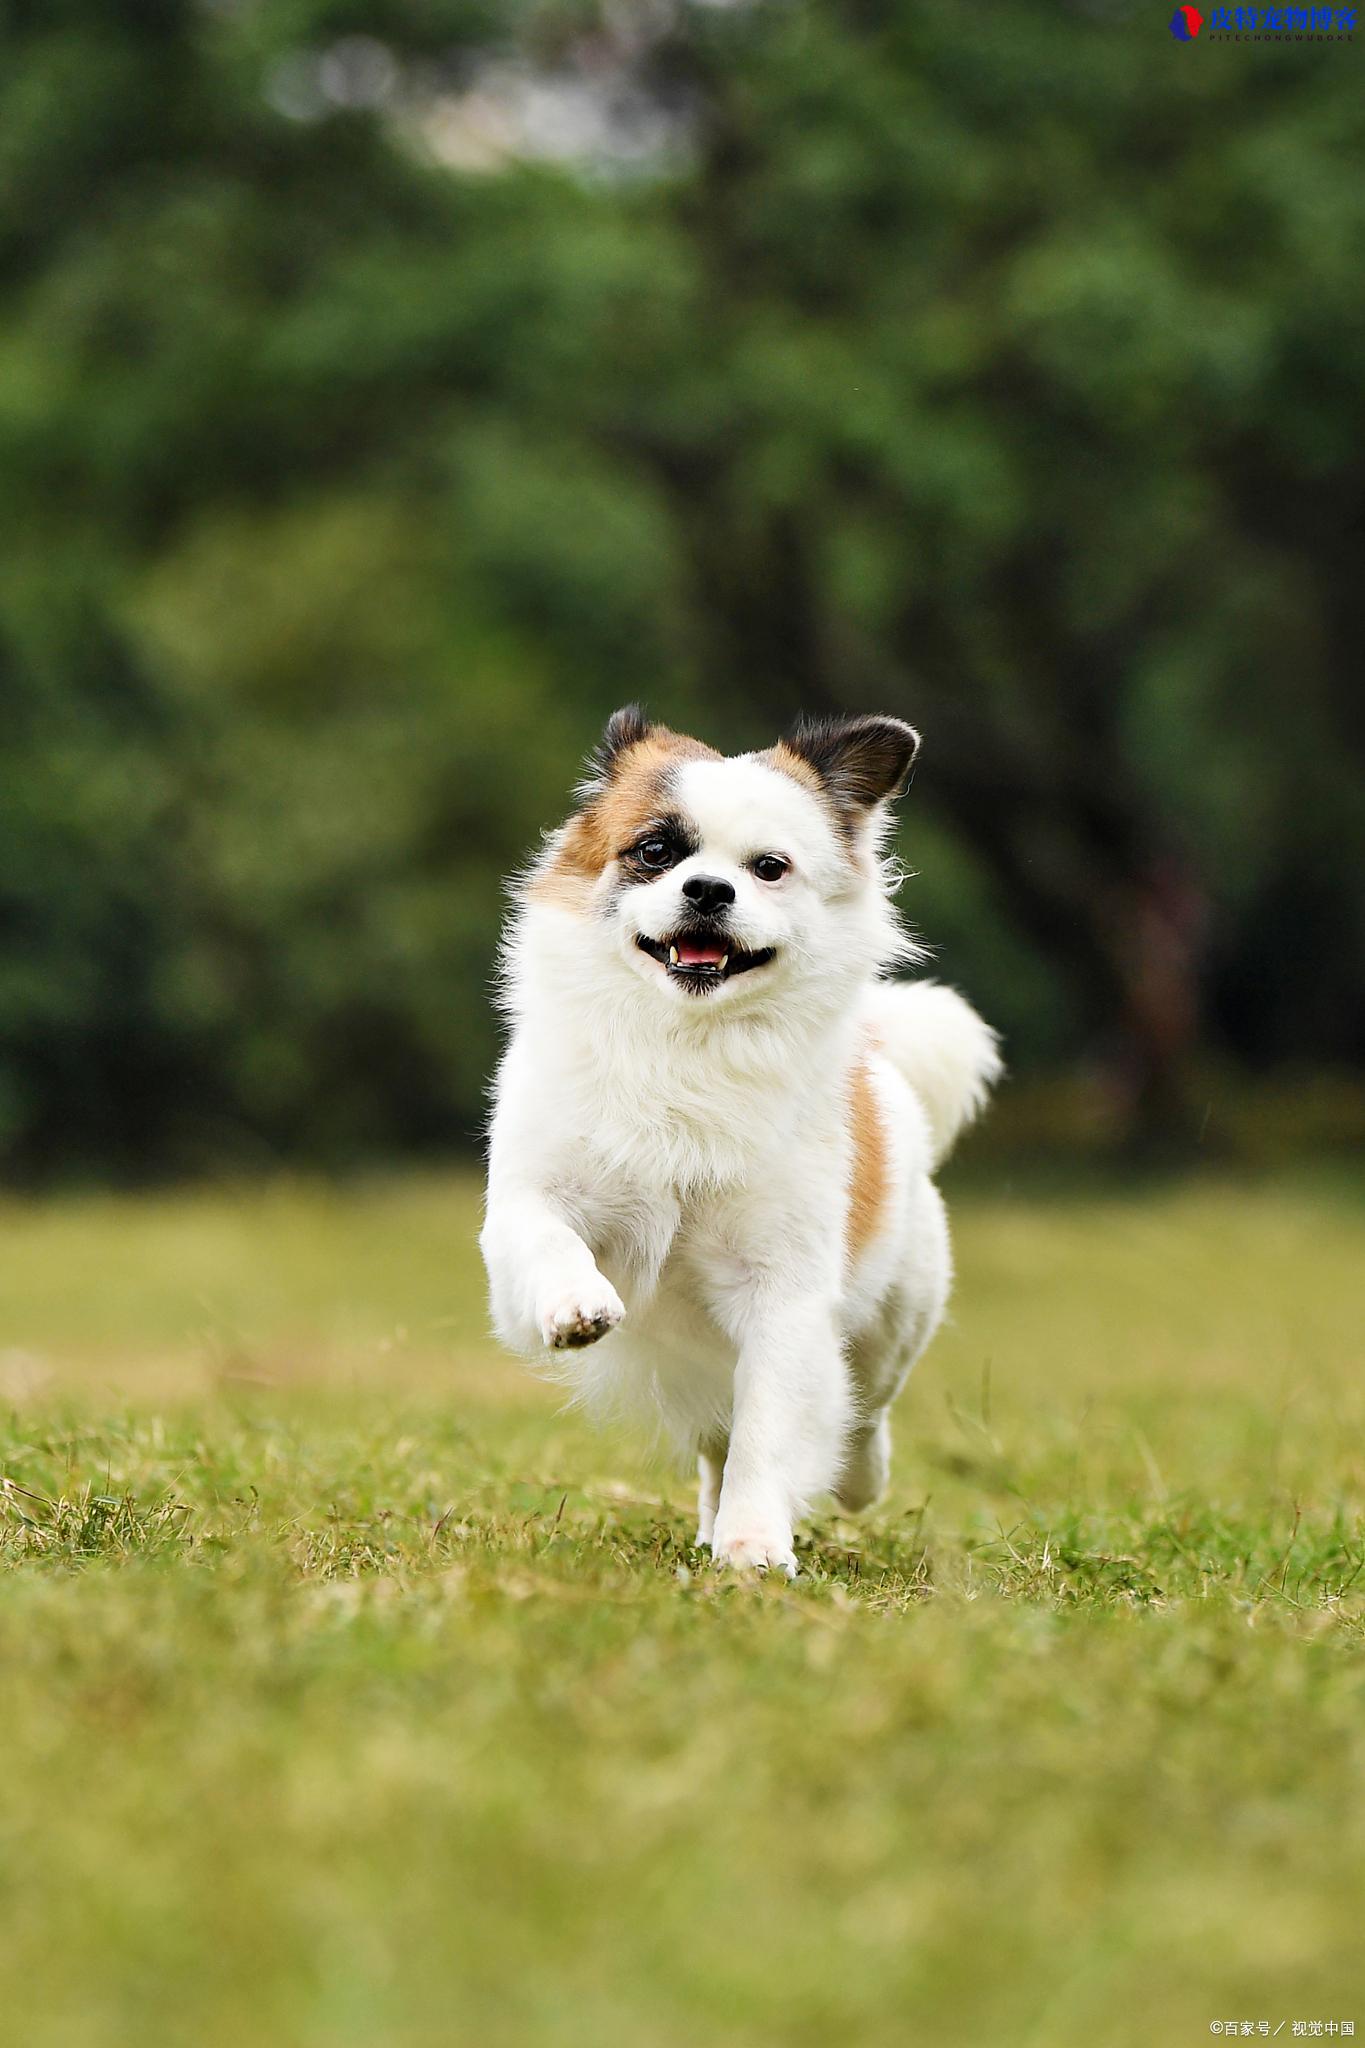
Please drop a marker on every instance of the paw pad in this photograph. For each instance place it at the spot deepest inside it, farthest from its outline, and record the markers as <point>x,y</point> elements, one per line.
<point>578,1320</point>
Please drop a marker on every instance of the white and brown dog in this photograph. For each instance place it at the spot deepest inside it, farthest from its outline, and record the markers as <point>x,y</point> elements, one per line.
<point>716,1122</point>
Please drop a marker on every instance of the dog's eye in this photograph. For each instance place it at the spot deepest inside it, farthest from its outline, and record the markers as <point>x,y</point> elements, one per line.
<point>770,867</point>
<point>654,853</point>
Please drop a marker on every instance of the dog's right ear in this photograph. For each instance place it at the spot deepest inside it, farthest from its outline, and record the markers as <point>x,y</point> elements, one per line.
<point>862,762</point>
<point>625,728</point>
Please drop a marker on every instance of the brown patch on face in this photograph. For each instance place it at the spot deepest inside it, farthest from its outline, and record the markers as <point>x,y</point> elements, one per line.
<point>787,761</point>
<point>871,1178</point>
<point>632,792</point>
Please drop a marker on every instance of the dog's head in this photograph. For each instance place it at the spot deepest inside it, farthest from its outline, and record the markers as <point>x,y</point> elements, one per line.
<point>722,880</point>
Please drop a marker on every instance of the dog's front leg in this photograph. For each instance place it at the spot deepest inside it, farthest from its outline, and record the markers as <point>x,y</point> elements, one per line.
<point>544,1284</point>
<point>791,1415</point>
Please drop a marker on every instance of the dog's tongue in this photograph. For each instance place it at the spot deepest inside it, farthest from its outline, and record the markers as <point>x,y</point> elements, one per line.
<point>699,953</point>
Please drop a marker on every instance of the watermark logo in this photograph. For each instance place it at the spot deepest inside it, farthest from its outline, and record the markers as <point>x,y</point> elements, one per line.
<point>1312,2030</point>
<point>1266,24</point>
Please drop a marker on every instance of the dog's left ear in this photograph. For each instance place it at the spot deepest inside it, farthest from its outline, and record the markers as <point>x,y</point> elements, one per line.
<point>625,728</point>
<point>861,761</point>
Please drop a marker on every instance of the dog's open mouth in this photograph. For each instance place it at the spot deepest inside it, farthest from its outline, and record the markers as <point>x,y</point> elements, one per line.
<point>702,957</point>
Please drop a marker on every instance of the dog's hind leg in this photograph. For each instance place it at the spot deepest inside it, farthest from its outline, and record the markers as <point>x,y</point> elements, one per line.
<point>867,1464</point>
<point>710,1470</point>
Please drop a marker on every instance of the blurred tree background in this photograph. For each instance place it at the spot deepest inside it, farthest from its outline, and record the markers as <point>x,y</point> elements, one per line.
<point>388,388</point>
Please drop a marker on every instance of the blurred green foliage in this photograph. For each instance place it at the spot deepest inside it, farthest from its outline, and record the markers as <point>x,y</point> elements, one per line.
<point>1006,368</point>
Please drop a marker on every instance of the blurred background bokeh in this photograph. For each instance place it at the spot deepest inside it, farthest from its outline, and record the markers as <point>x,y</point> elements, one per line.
<point>389,388</point>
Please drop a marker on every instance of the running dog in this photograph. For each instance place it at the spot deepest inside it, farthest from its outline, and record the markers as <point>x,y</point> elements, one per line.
<point>717,1121</point>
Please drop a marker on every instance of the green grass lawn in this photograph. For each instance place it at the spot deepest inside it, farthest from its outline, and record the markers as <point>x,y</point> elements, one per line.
<point>353,1693</point>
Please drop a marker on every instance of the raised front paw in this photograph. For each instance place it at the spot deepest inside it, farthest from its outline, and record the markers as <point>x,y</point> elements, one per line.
<point>752,1547</point>
<point>581,1316</point>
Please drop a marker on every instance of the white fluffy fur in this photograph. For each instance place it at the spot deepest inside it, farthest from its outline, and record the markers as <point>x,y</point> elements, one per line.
<point>669,1175</point>
<point>946,1052</point>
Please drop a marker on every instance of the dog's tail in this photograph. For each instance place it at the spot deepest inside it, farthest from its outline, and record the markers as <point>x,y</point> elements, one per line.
<point>950,1057</point>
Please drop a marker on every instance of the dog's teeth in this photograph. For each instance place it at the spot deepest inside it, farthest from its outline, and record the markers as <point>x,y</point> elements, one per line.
<point>722,963</point>
<point>672,956</point>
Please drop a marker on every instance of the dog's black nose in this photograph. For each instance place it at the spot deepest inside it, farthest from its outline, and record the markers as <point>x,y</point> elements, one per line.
<point>708,892</point>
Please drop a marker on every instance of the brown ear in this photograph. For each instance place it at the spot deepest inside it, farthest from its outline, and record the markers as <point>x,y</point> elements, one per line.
<point>625,728</point>
<point>860,761</point>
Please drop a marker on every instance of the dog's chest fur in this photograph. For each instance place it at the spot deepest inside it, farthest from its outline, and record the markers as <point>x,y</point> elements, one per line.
<point>704,1203</point>
<point>688,1176</point>
<point>654,1120</point>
